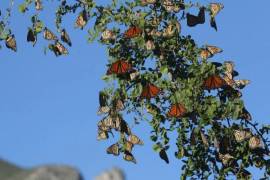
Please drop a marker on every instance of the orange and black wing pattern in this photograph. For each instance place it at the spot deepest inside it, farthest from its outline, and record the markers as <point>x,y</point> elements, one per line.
<point>214,82</point>
<point>133,32</point>
<point>150,91</point>
<point>119,67</point>
<point>177,110</point>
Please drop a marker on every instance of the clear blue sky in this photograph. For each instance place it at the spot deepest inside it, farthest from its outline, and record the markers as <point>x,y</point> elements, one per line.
<point>48,105</point>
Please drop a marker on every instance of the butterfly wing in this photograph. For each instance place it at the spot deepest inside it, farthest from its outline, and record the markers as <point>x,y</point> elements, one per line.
<point>11,43</point>
<point>61,48</point>
<point>135,139</point>
<point>113,149</point>
<point>31,37</point>
<point>49,35</point>
<point>65,37</point>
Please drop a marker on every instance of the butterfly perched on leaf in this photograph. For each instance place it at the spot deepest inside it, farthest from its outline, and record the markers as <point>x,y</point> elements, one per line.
<point>113,149</point>
<point>193,20</point>
<point>119,67</point>
<point>31,36</point>
<point>150,91</point>
<point>135,140</point>
<point>241,135</point>
<point>129,157</point>
<point>81,20</point>
<point>38,5</point>
<point>254,142</point>
<point>210,51</point>
<point>11,42</point>
<point>177,110</point>
<point>65,37</point>
<point>49,35</point>
<point>133,32</point>
<point>213,82</point>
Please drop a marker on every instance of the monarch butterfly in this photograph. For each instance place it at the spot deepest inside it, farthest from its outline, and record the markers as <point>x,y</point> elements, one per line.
<point>177,110</point>
<point>163,155</point>
<point>49,34</point>
<point>213,23</point>
<point>215,8</point>
<point>108,35</point>
<point>118,105</point>
<point>102,135</point>
<point>11,42</point>
<point>103,110</point>
<point>81,20</point>
<point>128,146</point>
<point>146,2</point>
<point>113,149</point>
<point>129,157</point>
<point>245,115</point>
<point>103,98</point>
<point>210,51</point>
<point>225,158</point>
<point>107,123</point>
<point>241,135</point>
<point>149,91</point>
<point>65,37</point>
<point>229,68</point>
<point>133,32</point>
<point>38,5</point>
<point>214,82</point>
<point>241,83</point>
<point>195,20</point>
<point>171,29</point>
<point>135,140</point>
<point>204,139</point>
<point>61,48</point>
<point>31,36</point>
<point>254,142</point>
<point>119,67</point>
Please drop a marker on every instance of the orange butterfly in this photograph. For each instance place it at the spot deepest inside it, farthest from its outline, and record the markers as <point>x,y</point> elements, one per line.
<point>132,32</point>
<point>214,82</point>
<point>177,110</point>
<point>119,67</point>
<point>150,91</point>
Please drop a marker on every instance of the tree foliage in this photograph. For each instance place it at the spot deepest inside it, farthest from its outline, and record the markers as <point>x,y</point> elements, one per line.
<point>159,75</point>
